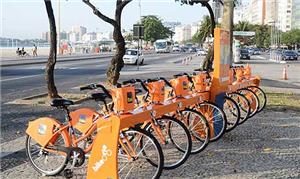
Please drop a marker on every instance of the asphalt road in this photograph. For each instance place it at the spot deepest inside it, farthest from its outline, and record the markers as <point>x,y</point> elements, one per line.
<point>19,81</point>
<point>22,81</point>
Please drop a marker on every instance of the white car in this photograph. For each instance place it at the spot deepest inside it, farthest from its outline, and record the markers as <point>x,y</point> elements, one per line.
<point>201,52</point>
<point>176,49</point>
<point>133,56</point>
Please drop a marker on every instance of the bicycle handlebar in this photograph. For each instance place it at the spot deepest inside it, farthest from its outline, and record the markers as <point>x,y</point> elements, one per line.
<point>95,86</point>
<point>131,81</point>
<point>166,81</point>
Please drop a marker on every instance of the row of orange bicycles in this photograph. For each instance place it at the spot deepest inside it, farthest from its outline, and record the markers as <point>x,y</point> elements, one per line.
<point>172,119</point>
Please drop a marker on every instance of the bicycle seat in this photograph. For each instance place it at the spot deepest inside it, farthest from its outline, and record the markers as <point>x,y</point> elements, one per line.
<point>137,91</point>
<point>60,102</point>
<point>99,96</point>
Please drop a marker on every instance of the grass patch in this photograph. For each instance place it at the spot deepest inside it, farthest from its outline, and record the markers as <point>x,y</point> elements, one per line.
<point>283,101</point>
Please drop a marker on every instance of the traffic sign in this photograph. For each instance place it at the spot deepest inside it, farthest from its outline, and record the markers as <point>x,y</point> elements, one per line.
<point>243,33</point>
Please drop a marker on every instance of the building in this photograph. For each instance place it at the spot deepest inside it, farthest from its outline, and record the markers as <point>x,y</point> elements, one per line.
<point>195,27</point>
<point>80,30</point>
<point>182,33</point>
<point>171,25</point>
<point>104,36</point>
<point>88,37</point>
<point>295,24</point>
<point>285,15</point>
<point>64,35</point>
<point>73,37</point>
<point>258,11</point>
<point>268,12</point>
<point>46,36</point>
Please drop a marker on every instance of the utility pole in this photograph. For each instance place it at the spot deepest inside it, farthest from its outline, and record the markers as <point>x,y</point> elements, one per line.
<point>58,24</point>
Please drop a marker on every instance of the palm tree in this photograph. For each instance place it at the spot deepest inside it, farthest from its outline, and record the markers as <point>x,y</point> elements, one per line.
<point>242,26</point>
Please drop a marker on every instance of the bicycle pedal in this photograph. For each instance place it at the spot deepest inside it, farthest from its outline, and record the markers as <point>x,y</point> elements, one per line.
<point>68,173</point>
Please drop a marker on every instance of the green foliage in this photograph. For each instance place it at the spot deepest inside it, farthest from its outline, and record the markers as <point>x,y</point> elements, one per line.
<point>154,29</point>
<point>262,34</point>
<point>128,37</point>
<point>203,31</point>
<point>291,37</point>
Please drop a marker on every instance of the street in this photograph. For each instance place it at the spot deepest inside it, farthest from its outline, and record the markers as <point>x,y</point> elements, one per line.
<point>265,146</point>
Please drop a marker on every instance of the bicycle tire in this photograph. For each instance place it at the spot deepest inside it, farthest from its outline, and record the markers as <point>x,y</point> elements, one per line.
<point>244,105</point>
<point>38,167</point>
<point>261,96</point>
<point>173,159</point>
<point>232,113</point>
<point>217,123</point>
<point>253,100</point>
<point>199,142</point>
<point>133,133</point>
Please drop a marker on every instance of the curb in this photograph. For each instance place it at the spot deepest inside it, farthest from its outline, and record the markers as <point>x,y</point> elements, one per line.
<point>57,61</point>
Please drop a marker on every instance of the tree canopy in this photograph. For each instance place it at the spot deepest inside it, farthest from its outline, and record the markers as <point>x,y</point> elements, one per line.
<point>203,32</point>
<point>154,29</point>
<point>291,37</point>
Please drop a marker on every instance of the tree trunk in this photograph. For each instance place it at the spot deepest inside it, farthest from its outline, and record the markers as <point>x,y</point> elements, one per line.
<point>117,63</point>
<point>49,76</point>
<point>227,21</point>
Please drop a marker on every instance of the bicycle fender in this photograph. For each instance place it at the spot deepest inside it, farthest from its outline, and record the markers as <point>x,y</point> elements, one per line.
<point>42,130</point>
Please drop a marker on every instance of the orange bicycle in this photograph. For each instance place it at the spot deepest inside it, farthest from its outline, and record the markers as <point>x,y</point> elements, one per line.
<point>172,134</point>
<point>195,121</point>
<point>50,145</point>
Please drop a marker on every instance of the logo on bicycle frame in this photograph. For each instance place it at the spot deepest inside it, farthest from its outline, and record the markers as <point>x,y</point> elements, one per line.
<point>105,154</point>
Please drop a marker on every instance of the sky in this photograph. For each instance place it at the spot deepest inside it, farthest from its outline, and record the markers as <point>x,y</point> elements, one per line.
<point>26,19</point>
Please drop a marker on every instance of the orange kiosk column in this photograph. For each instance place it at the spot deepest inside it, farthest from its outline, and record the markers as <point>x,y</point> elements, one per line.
<point>103,162</point>
<point>221,66</point>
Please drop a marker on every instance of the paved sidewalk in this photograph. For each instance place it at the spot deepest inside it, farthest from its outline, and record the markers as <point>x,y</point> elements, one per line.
<point>266,146</point>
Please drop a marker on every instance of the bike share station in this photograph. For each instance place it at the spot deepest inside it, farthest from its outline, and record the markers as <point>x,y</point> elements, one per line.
<point>105,129</point>
<point>102,166</point>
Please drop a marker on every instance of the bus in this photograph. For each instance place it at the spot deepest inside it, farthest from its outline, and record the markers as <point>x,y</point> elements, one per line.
<point>163,46</point>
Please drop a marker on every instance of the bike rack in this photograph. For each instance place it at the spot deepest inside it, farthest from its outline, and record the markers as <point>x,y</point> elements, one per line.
<point>106,167</point>
<point>101,166</point>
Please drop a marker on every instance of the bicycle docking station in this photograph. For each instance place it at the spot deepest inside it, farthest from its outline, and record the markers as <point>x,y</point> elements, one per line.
<point>101,166</point>
<point>103,160</point>
<point>106,167</point>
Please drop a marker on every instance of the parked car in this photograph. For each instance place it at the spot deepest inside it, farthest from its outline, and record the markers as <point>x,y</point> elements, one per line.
<point>185,48</point>
<point>298,52</point>
<point>192,49</point>
<point>245,54</point>
<point>256,51</point>
<point>289,55</point>
<point>201,52</point>
<point>251,51</point>
<point>176,48</point>
<point>182,49</point>
<point>133,56</point>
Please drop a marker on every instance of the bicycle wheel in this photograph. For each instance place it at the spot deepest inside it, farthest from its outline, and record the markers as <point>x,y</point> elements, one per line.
<point>243,104</point>
<point>146,158</point>
<point>253,100</point>
<point>198,127</point>
<point>215,117</point>
<point>45,162</point>
<point>232,112</point>
<point>262,97</point>
<point>178,143</point>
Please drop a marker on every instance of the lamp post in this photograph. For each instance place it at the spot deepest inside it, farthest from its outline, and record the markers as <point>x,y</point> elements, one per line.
<point>58,24</point>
